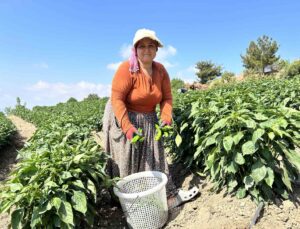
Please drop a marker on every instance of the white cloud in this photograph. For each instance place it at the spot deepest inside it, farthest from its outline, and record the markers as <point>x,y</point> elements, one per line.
<point>192,69</point>
<point>125,51</point>
<point>166,52</point>
<point>187,78</point>
<point>41,65</point>
<point>114,66</point>
<point>44,93</point>
<point>162,56</point>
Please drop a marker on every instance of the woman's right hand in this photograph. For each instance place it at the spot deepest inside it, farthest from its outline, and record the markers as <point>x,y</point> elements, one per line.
<point>129,134</point>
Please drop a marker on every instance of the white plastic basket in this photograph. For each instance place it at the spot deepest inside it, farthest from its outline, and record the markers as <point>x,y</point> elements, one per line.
<point>143,199</point>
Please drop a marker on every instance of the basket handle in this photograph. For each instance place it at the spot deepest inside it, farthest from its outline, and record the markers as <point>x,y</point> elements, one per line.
<point>127,211</point>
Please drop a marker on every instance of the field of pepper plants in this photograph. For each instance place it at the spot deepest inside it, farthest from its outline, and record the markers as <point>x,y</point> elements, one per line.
<point>245,137</point>
<point>61,169</point>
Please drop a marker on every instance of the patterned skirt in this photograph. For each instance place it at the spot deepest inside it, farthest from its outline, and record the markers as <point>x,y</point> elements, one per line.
<point>126,158</point>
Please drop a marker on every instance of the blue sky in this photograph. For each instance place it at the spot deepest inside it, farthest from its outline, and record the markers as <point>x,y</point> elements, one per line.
<point>51,50</point>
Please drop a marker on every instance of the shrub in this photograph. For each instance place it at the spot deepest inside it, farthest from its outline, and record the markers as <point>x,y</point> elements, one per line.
<point>58,180</point>
<point>294,69</point>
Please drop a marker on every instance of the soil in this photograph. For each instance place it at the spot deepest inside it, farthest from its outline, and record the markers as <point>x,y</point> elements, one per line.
<point>207,210</point>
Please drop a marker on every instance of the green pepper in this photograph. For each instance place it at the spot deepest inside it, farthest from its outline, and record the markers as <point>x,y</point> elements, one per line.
<point>138,137</point>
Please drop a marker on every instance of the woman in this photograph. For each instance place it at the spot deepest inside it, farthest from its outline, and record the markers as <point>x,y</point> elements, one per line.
<point>137,87</point>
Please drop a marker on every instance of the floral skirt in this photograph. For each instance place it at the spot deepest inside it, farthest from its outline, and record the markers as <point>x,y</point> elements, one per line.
<point>127,158</point>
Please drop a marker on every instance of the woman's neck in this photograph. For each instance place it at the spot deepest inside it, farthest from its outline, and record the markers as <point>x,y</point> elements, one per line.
<point>147,67</point>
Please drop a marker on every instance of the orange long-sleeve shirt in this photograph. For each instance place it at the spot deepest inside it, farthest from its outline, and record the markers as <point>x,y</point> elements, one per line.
<point>140,93</point>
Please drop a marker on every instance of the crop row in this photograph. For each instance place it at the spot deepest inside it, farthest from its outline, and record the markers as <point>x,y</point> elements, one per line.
<point>245,136</point>
<point>87,113</point>
<point>7,129</point>
<point>57,180</point>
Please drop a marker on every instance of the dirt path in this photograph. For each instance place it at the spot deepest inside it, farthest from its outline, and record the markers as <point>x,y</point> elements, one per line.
<point>8,155</point>
<point>216,210</point>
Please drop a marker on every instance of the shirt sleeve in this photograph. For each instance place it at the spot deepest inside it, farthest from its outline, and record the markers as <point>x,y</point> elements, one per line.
<point>121,86</point>
<point>166,103</point>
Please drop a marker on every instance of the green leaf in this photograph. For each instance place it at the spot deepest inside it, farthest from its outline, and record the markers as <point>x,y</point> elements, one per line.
<point>78,183</point>
<point>239,159</point>
<point>282,123</point>
<point>271,135</point>
<point>238,137</point>
<point>270,177</point>
<point>248,181</point>
<point>5,205</point>
<point>231,185</point>
<point>285,178</point>
<point>45,207</point>
<point>14,187</point>
<point>185,125</point>
<point>227,143</point>
<point>65,213</point>
<point>260,117</point>
<point>232,167</point>
<point>250,123</point>
<point>219,124</point>
<point>210,141</point>
<point>16,218</point>
<point>257,134</point>
<point>35,218</point>
<point>79,201</point>
<point>50,184</point>
<point>241,193</point>
<point>248,148</point>
<point>258,171</point>
<point>77,158</point>
<point>178,140</point>
<point>210,160</point>
<point>91,186</point>
<point>56,202</point>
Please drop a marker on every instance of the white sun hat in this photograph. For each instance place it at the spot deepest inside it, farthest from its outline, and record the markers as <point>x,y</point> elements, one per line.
<point>143,33</point>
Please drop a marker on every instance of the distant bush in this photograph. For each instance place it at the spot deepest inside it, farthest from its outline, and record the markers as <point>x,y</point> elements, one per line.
<point>177,84</point>
<point>92,97</point>
<point>228,77</point>
<point>294,69</point>
<point>70,100</point>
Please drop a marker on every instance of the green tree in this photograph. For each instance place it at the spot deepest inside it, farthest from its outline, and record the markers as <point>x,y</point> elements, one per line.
<point>260,54</point>
<point>92,97</point>
<point>207,71</point>
<point>176,84</point>
<point>71,100</point>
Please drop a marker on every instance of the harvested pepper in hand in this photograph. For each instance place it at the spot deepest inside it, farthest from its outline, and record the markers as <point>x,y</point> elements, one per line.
<point>162,131</point>
<point>138,137</point>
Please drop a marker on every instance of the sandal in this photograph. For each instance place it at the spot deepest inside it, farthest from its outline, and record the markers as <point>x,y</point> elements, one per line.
<point>182,197</point>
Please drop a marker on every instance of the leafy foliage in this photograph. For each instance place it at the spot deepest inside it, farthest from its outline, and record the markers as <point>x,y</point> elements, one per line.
<point>207,71</point>
<point>176,84</point>
<point>243,136</point>
<point>228,77</point>
<point>294,69</point>
<point>58,179</point>
<point>260,54</point>
<point>87,113</point>
<point>7,129</point>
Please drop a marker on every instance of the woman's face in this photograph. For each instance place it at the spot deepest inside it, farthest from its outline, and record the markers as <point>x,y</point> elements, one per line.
<point>146,50</point>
